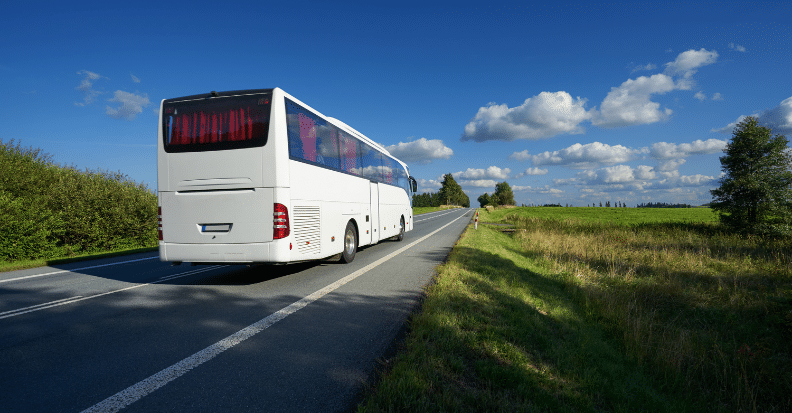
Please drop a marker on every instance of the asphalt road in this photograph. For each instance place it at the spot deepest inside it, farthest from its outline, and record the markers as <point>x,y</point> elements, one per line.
<point>137,334</point>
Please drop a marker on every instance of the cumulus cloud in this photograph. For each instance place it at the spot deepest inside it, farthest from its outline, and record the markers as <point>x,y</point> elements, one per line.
<point>648,66</point>
<point>421,151</point>
<point>630,104</point>
<point>700,95</point>
<point>665,150</point>
<point>670,165</point>
<point>520,156</point>
<point>727,130</point>
<point>717,96</point>
<point>477,183</point>
<point>736,47</point>
<point>687,63</point>
<point>86,87</point>
<point>779,118</point>
<point>542,116</point>
<point>641,178</point>
<point>428,185</point>
<point>131,105</point>
<point>535,171</point>
<point>542,190</point>
<point>493,172</point>
<point>587,156</point>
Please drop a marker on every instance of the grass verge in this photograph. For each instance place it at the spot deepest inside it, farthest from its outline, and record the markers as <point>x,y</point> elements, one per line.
<point>501,331</point>
<point>581,314</point>
<point>25,264</point>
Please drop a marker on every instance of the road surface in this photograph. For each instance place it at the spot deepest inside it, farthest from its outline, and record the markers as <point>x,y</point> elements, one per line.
<point>137,334</point>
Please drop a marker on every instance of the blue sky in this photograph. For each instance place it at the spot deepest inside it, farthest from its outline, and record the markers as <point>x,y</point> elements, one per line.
<point>569,103</point>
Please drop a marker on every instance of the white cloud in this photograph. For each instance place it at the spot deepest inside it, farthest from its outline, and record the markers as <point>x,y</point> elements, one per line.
<point>493,172</point>
<point>727,130</point>
<point>736,47</point>
<point>644,172</point>
<point>648,66</point>
<point>543,190</point>
<point>700,95</point>
<point>587,156</point>
<point>717,96</point>
<point>696,180</point>
<point>687,63</point>
<point>421,151</point>
<point>617,174</point>
<point>428,185</point>
<point>86,87</point>
<point>131,105</point>
<point>542,116</point>
<point>520,156</point>
<point>665,150</point>
<point>779,118</point>
<point>670,165</point>
<point>535,171</point>
<point>477,183</point>
<point>629,103</point>
<point>134,78</point>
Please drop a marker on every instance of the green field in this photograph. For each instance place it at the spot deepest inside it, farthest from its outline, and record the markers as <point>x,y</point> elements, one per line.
<point>622,216</point>
<point>600,309</point>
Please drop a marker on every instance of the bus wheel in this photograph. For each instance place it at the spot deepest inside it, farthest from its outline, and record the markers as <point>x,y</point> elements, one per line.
<point>401,231</point>
<point>350,243</point>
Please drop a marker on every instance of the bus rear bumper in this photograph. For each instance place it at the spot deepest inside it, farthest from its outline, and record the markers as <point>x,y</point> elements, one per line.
<point>222,253</point>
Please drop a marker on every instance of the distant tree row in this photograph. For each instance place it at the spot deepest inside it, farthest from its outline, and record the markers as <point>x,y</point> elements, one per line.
<point>503,196</point>
<point>663,205</point>
<point>450,193</point>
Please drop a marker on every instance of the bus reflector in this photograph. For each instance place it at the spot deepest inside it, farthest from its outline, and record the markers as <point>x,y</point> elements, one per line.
<point>159,222</point>
<point>280,222</point>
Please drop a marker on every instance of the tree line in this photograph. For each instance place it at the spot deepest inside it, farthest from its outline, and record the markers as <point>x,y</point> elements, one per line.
<point>450,193</point>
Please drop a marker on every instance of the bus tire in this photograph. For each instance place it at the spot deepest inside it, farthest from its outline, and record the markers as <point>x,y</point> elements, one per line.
<point>401,230</point>
<point>350,243</point>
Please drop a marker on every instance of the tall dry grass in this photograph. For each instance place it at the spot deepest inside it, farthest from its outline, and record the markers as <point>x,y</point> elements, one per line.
<point>708,313</point>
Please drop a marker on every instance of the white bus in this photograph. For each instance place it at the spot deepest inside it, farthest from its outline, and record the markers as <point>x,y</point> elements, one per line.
<point>257,176</point>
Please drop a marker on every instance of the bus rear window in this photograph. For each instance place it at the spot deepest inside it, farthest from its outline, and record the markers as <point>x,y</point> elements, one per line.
<point>216,123</point>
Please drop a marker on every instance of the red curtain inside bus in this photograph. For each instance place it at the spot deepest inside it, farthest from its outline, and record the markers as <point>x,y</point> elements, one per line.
<point>308,137</point>
<point>212,126</point>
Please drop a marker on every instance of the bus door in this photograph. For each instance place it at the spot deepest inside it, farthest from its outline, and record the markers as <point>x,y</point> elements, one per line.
<point>374,223</point>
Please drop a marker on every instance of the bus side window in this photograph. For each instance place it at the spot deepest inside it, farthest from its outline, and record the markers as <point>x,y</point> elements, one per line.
<point>349,153</point>
<point>372,163</point>
<point>293,129</point>
<point>308,137</point>
<point>387,169</point>
<point>327,146</point>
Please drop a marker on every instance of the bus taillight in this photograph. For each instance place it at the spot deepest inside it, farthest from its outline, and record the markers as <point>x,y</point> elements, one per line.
<point>280,222</point>
<point>159,222</point>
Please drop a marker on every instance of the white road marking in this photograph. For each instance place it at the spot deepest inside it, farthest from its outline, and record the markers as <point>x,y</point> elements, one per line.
<point>426,219</point>
<point>76,269</point>
<point>38,305</point>
<point>79,298</point>
<point>145,387</point>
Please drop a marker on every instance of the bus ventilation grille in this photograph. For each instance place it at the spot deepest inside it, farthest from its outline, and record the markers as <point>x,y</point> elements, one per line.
<point>307,233</point>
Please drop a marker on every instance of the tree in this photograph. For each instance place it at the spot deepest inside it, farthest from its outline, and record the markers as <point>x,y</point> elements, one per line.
<point>504,194</point>
<point>484,200</point>
<point>451,193</point>
<point>755,193</point>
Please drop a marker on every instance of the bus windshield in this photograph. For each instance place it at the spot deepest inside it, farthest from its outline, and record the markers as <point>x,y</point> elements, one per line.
<point>216,123</point>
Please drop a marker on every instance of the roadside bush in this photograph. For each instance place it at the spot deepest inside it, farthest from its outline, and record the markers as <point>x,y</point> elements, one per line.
<point>50,210</point>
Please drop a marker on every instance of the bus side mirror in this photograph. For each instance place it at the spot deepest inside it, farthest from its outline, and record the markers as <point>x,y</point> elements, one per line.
<point>413,184</point>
